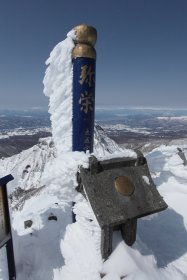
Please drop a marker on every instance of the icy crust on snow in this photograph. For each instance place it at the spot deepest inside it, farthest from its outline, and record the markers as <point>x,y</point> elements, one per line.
<point>58,87</point>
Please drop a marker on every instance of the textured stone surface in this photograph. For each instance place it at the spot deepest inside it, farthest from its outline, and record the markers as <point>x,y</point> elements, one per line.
<point>116,208</point>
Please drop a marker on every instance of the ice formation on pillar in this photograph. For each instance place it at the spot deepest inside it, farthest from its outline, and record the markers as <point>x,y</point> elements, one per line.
<point>58,87</point>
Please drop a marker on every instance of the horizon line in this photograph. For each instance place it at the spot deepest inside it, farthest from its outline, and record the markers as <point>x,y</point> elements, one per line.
<point>102,107</point>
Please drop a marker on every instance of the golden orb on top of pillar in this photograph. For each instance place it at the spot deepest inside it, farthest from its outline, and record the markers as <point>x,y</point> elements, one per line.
<point>85,39</point>
<point>85,34</point>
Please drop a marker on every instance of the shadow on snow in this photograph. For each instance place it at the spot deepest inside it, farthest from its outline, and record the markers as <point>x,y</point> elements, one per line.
<point>164,235</point>
<point>38,253</point>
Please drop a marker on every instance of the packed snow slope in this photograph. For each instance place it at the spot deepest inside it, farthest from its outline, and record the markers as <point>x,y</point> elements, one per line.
<point>55,248</point>
<point>42,192</point>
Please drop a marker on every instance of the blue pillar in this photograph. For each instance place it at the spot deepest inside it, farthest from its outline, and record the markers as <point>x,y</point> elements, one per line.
<point>83,58</point>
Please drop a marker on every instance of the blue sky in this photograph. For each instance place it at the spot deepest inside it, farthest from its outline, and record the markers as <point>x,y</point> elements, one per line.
<point>141,49</point>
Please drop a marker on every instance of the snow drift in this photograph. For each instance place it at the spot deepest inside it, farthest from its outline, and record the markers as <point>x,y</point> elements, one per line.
<point>52,249</point>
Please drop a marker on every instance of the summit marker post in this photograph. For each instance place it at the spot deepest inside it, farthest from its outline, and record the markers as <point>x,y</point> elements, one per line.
<point>115,188</point>
<point>84,61</point>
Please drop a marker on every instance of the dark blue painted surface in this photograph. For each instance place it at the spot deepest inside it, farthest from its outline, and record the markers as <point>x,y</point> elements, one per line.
<point>83,103</point>
<point>6,179</point>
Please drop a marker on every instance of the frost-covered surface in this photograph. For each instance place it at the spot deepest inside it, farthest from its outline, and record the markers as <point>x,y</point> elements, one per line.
<point>58,87</point>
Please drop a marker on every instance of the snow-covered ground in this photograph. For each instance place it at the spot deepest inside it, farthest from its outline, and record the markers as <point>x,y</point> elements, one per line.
<point>47,244</point>
<point>44,187</point>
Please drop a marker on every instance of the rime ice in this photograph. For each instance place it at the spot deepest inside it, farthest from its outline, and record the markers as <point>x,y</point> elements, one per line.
<point>58,87</point>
